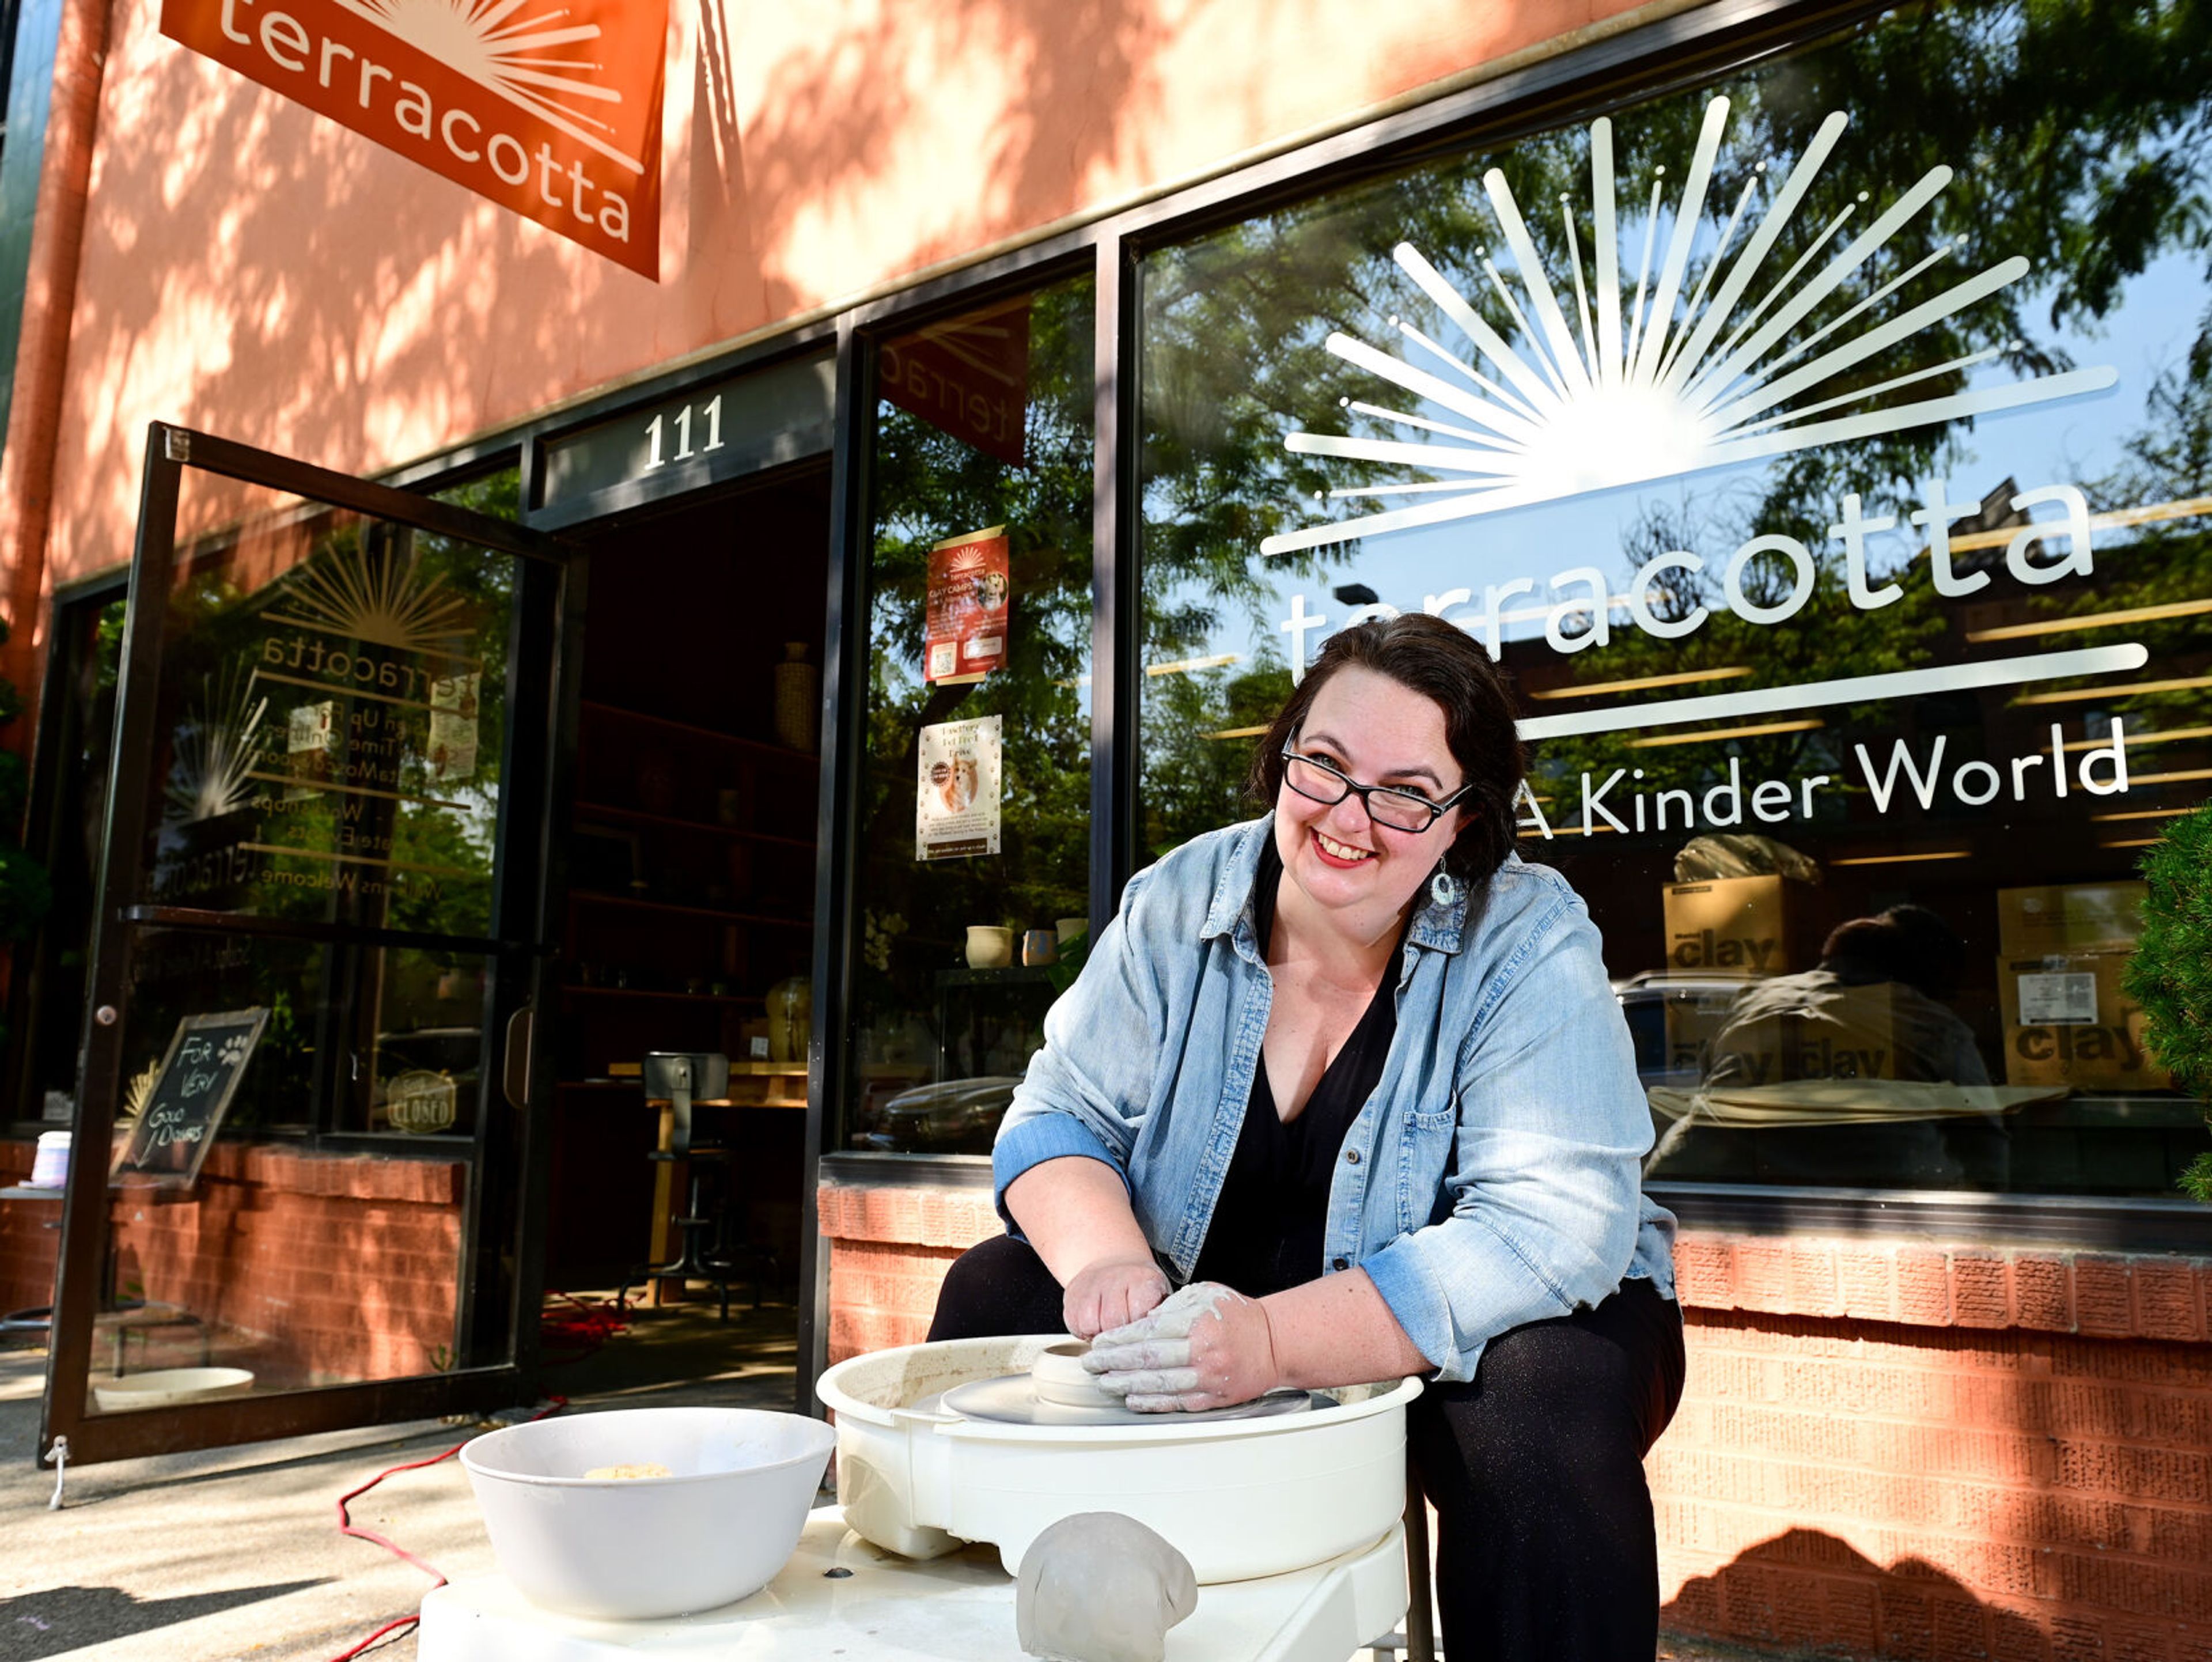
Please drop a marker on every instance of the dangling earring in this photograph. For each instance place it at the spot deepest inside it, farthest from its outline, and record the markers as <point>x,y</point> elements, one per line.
<point>1444,888</point>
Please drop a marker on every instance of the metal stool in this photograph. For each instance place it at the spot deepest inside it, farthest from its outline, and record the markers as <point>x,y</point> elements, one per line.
<point>679,1077</point>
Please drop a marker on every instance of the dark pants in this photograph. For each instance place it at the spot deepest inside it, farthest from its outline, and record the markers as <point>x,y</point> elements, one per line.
<point>1546,1551</point>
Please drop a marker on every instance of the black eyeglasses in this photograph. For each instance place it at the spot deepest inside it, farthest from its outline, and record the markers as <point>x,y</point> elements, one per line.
<point>1400,810</point>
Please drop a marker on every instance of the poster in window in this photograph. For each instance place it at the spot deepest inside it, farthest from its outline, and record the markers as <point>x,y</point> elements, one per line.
<point>965,625</point>
<point>453,707</point>
<point>956,789</point>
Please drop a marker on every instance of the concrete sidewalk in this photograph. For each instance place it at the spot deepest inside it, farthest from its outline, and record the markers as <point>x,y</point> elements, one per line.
<point>235,1553</point>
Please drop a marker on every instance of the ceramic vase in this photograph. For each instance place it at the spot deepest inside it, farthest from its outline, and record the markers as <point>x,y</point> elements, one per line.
<point>990,947</point>
<point>797,699</point>
<point>790,1019</point>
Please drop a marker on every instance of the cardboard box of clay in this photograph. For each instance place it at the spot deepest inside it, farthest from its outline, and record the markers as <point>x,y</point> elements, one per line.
<point>2067,1022</point>
<point>1735,924</point>
<point>2070,917</point>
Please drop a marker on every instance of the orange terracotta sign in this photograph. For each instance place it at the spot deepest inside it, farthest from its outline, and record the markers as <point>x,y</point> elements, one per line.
<point>550,107</point>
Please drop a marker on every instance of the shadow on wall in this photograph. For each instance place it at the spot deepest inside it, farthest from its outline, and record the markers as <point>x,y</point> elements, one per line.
<point>1074,83</point>
<point>253,269</point>
<point>1988,1491</point>
<point>1809,1590</point>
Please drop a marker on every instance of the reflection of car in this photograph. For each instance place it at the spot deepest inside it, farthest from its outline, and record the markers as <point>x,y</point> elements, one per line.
<point>960,1116</point>
<point>1673,1016</point>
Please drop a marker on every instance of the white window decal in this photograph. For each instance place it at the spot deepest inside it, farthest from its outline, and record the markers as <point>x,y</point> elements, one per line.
<point>1614,395</point>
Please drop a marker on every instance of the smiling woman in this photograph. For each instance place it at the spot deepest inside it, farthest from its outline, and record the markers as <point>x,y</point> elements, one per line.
<point>1343,1095</point>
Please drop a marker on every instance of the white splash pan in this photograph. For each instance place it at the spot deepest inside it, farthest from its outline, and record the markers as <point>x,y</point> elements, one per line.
<point>1238,1498</point>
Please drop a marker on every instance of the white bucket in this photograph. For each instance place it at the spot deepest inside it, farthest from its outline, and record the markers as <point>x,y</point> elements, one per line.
<point>50,1166</point>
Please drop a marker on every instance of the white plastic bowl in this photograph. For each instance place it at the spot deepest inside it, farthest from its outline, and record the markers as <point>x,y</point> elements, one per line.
<point>167,1386</point>
<point>634,1549</point>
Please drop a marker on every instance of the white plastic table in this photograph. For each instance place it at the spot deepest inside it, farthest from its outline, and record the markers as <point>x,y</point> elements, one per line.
<point>959,1609</point>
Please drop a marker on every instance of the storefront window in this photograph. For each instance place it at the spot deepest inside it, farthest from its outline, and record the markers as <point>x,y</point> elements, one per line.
<point>973,820</point>
<point>1828,465</point>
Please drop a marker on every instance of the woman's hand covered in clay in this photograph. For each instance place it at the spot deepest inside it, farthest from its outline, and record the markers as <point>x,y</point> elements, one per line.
<point>1206,1346</point>
<point>1112,1293</point>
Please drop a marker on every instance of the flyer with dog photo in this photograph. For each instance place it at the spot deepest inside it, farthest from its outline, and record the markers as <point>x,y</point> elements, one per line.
<point>965,625</point>
<point>956,789</point>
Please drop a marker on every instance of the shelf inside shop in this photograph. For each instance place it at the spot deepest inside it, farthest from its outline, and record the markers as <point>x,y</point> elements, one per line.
<point>593,897</point>
<point>588,811</point>
<point>671,996</point>
<point>668,724</point>
<point>631,1086</point>
<point>629,1073</point>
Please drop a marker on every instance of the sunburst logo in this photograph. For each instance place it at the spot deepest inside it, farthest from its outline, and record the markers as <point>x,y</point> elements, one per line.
<point>528,60</point>
<point>550,108</point>
<point>380,597</point>
<point>215,749</point>
<point>138,1093</point>
<point>1615,394</point>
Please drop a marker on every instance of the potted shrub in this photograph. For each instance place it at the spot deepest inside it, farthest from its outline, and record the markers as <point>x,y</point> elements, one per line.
<point>2171,973</point>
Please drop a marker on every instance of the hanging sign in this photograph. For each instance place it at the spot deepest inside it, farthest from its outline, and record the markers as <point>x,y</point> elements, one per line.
<point>956,789</point>
<point>968,377</point>
<point>965,624</point>
<point>553,112</point>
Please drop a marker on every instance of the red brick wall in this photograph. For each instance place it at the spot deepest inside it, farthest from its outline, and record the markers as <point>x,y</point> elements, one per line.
<point>312,1269</point>
<point>1892,1451</point>
<point>889,1248</point>
<point>28,1248</point>
<point>1916,1451</point>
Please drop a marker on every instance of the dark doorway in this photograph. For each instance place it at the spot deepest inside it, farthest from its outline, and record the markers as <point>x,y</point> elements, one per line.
<point>688,925</point>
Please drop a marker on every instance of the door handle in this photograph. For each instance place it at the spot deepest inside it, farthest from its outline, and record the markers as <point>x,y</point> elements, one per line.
<point>514,1076</point>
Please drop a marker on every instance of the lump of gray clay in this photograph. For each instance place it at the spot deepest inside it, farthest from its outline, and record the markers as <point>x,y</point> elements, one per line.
<point>1101,1587</point>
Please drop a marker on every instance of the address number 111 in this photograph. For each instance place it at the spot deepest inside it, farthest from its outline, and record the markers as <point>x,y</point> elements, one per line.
<point>657,431</point>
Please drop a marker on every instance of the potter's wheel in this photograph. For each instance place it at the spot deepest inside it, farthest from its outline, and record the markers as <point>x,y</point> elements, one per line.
<point>926,1463</point>
<point>1011,1399</point>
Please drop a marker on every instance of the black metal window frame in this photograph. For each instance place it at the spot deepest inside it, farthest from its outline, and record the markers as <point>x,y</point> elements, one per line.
<point>1692,47</point>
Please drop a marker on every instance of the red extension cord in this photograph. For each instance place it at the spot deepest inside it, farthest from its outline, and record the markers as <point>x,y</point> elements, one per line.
<point>575,1332</point>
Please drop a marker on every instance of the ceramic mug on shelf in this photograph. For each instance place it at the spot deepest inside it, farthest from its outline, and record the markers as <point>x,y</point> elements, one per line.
<point>1038,948</point>
<point>990,947</point>
<point>790,1019</point>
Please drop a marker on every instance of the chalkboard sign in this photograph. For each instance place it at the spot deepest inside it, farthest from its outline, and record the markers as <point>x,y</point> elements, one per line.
<point>190,1092</point>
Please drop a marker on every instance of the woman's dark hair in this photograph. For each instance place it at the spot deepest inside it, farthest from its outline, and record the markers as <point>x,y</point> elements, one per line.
<point>1449,668</point>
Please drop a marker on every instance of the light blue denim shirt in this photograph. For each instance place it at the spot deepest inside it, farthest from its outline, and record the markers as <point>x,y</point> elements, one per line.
<point>1494,1177</point>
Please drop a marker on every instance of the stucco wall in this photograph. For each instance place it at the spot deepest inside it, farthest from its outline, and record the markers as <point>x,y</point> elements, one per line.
<point>254,271</point>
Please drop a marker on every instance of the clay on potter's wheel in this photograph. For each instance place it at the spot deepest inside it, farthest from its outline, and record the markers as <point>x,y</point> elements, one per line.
<point>1059,1376</point>
<point>1101,1587</point>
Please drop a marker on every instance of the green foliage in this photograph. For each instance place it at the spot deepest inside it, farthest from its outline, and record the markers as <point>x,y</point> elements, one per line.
<point>25,893</point>
<point>2171,973</point>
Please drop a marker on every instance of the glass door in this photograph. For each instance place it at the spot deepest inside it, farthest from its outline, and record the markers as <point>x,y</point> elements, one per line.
<point>307,1174</point>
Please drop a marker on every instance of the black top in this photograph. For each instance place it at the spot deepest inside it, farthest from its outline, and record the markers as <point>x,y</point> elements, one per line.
<point>1267,1227</point>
